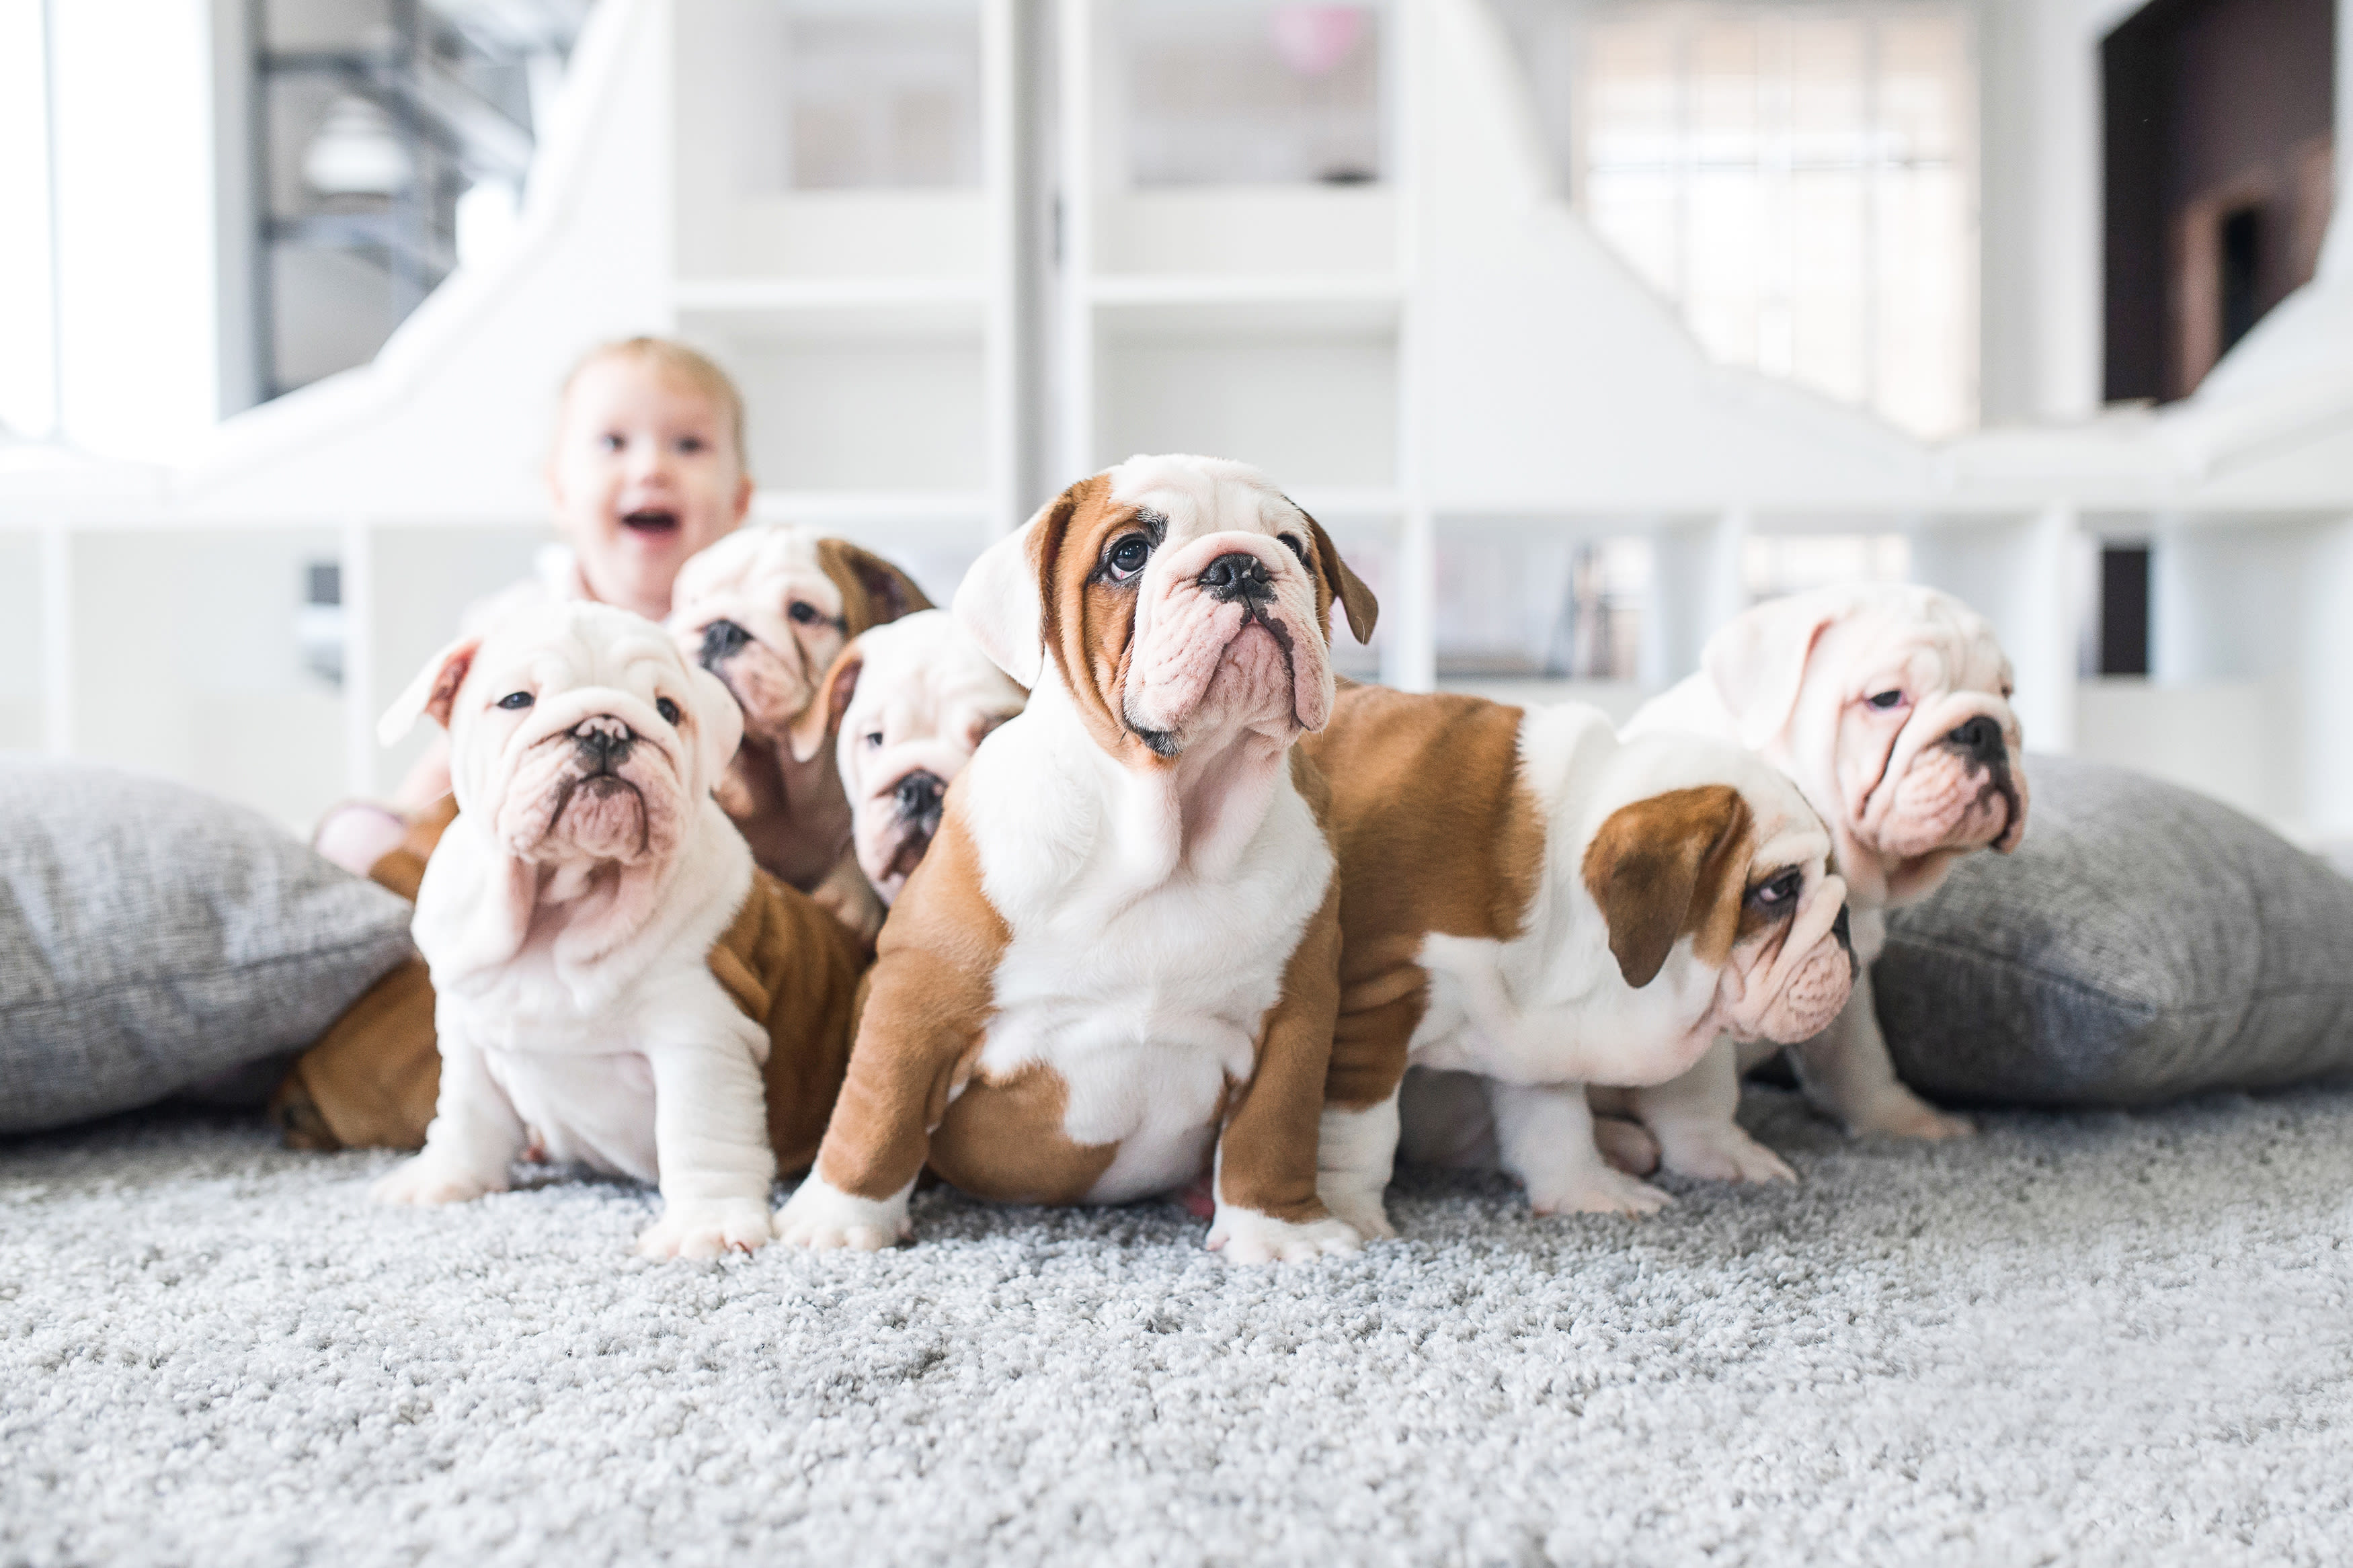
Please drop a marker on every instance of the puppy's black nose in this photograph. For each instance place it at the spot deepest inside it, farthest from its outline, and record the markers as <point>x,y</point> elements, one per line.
<point>1238,575</point>
<point>918,796</point>
<point>603,739</point>
<point>721,640</point>
<point>1981,739</point>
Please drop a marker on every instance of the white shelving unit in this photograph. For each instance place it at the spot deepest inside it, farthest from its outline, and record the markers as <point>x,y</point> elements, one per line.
<point>874,330</point>
<point>1440,362</point>
<point>1263,322</point>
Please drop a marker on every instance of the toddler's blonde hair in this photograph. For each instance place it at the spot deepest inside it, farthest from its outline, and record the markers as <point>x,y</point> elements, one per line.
<point>672,358</point>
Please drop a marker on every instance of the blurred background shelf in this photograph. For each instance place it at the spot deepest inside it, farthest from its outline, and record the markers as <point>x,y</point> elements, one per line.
<point>1581,325</point>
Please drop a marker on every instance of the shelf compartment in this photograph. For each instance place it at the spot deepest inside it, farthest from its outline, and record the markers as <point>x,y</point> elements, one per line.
<point>844,236</point>
<point>1182,305</point>
<point>1314,409</point>
<point>832,409</point>
<point>1246,231</point>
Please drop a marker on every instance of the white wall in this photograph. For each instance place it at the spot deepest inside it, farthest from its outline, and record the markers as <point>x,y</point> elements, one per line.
<point>27,343</point>
<point>2040,207</point>
<point>137,247</point>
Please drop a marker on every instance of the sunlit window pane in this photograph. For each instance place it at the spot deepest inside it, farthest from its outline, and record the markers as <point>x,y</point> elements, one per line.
<point>1800,181</point>
<point>1925,83</point>
<point>1829,111</point>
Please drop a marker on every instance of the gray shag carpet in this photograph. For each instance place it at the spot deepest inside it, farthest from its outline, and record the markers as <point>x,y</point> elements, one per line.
<point>2078,1337</point>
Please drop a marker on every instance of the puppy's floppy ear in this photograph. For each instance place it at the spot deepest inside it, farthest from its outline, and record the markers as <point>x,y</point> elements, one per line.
<point>1346,587</point>
<point>829,703</point>
<point>434,692</point>
<point>718,720</point>
<point>1665,865</point>
<point>1757,661</point>
<point>998,601</point>
<point>874,591</point>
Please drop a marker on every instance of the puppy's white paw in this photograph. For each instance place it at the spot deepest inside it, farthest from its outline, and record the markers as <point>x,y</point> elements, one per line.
<point>1721,1152</point>
<point>1600,1190</point>
<point>823,1217</point>
<point>1905,1115</point>
<point>1246,1236</point>
<point>1357,1204</point>
<point>705,1227</point>
<point>427,1182</point>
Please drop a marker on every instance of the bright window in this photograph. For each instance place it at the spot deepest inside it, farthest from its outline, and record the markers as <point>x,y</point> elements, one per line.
<point>1801,181</point>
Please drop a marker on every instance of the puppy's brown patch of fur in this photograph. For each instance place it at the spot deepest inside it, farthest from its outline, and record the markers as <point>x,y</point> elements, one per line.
<point>1271,1123</point>
<point>1003,1139</point>
<point>1671,866</point>
<point>922,1020</point>
<point>1436,832</point>
<point>874,591</point>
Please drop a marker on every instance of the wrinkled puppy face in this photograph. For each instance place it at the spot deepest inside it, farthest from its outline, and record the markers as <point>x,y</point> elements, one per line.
<point>758,610</point>
<point>1898,717</point>
<point>1740,866</point>
<point>1791,965</point>
<point>1175,598</point>
<point>578,733</point>
<point>913,699</point>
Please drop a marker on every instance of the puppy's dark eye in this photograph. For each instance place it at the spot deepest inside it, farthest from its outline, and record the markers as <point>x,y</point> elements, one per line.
<point>804,612</point>
<point>1127,557</point>
<point>515,699</point>
<point>1290,542</point>
<point>1780,893</point>
<point>667,708</point>
<point>875,739</point>
<point>1882,700</point>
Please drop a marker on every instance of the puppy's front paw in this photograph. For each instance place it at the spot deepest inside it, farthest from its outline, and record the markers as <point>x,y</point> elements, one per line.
<point>427,1182</point>
<point>1600,1190</point>
<point>1357,1204</point>
<point>1246,1236</point>
<point>705,1227</point>
<point>823,1217</point>
<point>1721,1152</point>
<point>1905,1115</point>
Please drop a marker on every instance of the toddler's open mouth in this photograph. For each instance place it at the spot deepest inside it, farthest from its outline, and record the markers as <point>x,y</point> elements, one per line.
<point>651,519</point>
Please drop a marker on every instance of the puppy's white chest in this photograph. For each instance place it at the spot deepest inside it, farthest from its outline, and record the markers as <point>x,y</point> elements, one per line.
<point>1147,1008</point>
<point>586,1108</point>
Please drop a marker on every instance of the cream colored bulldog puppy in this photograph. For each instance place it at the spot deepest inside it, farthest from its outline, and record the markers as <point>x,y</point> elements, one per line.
<point>1115,971</point>
<point>910,703</point>
<point>767,610</point>
<point>568,915</point>
<point>1527,898</point>
<point>1889,705</point>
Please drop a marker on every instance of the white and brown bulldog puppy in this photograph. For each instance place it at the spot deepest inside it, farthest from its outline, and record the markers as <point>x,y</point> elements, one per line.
<point>1116,970</point>
<point>1529,899</point>
<point>568,916</point>
<point>910,702</point>
<point>767,610</point>
<point>1889,705</point>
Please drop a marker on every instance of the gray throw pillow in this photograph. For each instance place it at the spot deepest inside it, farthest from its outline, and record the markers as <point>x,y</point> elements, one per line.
<point>2143,942</point>
<point>154,940</point>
